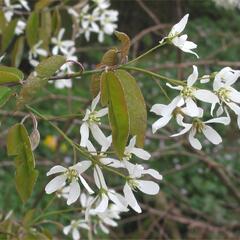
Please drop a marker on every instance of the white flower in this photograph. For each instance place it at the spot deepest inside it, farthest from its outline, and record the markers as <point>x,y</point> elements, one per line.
<point>133,183</point>
<point>74,228</point>
<point>188,93</point>
<point>70,176</point>
<point>227,94</point>
<point>199,126</point>
<point>181,41</point>
<point>63,83</point>
<point>9,9</point>
<point>92,121</point>
<point>61,45</point>
<point>36,51</point>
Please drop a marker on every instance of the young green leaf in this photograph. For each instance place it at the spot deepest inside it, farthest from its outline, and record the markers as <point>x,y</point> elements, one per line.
<point>95,84</point>
<point>18,145</point>
<point>8,34</point>
<point>32,29</point>
<point>5,94</point>
<point>125,44</point>
<point>104,89</point>
<point>135,104</point>
<point>118,113</point>
<point>17,52</point>
<point>49,66</point>
<point>10,74</point>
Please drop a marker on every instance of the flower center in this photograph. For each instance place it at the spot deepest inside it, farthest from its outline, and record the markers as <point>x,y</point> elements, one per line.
<point>72,175</point>
<point>198,125</point>
<point>133,184</point>
<point>187,92</point>
<point>93,118</point>
<point>223,94</point>
<point>127,156</point>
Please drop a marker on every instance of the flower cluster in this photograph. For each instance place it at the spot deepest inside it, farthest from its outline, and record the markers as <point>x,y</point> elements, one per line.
<point>96,18</point>
<point>102,204</point>
<point>185,105</point>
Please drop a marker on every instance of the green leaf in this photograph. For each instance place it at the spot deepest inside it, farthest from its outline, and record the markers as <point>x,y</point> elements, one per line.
<point>5,94</point>
<point>10,74</point>
<point>18,145</point>
<point>56,21</point>
<point>35,82</point>
<point>17,52</point>
<point>8,34</point>
<point>118,113</point>
<point>46,28</point>
<point>136,105</point>
<point>42,4</point>
<point>104,89</point>
<point>49,66</point>
<point>3,22</point>
<point>32,29</point>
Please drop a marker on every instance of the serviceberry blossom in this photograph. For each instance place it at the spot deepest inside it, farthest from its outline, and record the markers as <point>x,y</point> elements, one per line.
<point>61,45</point>
<point>9,8</point>
<point>69,176</point>
<point>91,121</point>
<point>189,93</point>
<point>228,96</point>
<point>180,41</point>
<point>134,183</point>
<point>35,52</point>
<point>74,228</point>
<point>102,4</point>
<point>21,25</point>
<point>199,126</point>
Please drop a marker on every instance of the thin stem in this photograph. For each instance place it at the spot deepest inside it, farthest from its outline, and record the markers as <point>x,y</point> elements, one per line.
<point>146,53</point>
<point>174,81</point>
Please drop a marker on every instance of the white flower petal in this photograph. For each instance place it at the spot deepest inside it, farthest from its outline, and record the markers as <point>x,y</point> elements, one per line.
<point>85,184</point>
<point>195,143</point>
<point>102,112</point>
<point>99,135</point>
<point>148,187</point>
<point>158,108</point>
<point>212,135</point>
<point>56,184</point>
<point>56,169</point>
<point>74,192</point>
<point>102,206</point>
<point>234,95</point>
<point>75,234</point>
<point>234,107</point>
<point>67,229</point>
<point>193,77</point>
<point>95,101</point>
<point>192,107</point>
<point>179,27</point>
<point>84,132</point>
<point>186,128</point>
<point>160,123</point>
<point>112,162</point>
<point>82,166</point>
<point>206,96</point>
<point>130,198</point>
<point>141,153</point>
<point>154,173</point>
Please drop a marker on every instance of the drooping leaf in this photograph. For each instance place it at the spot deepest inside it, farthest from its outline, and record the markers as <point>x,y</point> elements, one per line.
<point>18,145</point>
<point>8,34</point>
<point>3,22</point>
<point>5,94</point>
<point>135,104</point>
<point>32,29</point>
<point>37,80</point>
<point>125,44</point>
<point>17,52</point>
<point>118,113</point>
<point>10,74</point>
